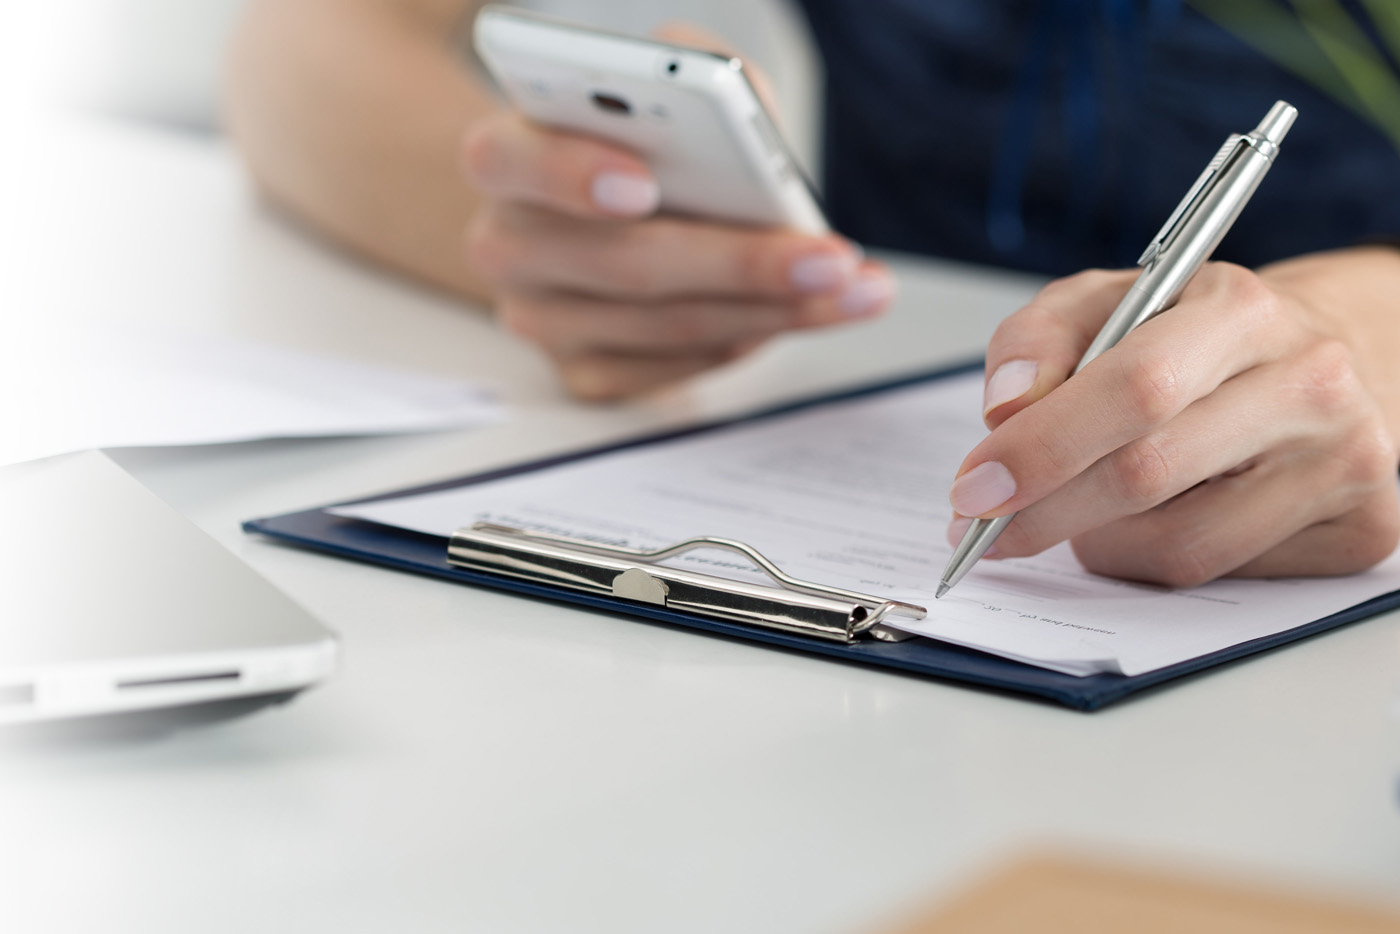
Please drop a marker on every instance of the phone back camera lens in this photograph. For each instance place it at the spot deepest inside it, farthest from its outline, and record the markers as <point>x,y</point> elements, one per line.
<point>611,103</point>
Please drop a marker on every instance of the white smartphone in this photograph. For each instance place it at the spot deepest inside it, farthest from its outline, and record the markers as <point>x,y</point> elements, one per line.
<point>692,115</point>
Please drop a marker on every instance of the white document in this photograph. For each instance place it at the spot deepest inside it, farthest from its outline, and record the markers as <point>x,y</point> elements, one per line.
<point>855,494</point>
<point>128,387</point>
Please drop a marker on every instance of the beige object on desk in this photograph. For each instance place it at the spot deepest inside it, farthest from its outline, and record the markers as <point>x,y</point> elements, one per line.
<point>1063,895</point>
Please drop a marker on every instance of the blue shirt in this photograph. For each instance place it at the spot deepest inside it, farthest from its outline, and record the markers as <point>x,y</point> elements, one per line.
<point>1058,135</point>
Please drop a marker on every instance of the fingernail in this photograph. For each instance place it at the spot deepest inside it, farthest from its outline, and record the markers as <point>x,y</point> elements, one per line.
<point>822,272</point>
<point>982,489</point>
<point>1011,380</point>
<point>867,294</point>
<point>628,195</point>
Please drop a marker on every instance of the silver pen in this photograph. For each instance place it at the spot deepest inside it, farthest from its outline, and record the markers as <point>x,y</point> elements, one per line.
<point>1180,248</point>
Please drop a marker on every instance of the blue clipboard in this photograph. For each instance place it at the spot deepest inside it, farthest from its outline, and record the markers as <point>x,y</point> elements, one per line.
<point>428,554</point>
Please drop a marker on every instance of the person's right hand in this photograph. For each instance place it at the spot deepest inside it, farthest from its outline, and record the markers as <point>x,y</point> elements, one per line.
<point>621,299</point>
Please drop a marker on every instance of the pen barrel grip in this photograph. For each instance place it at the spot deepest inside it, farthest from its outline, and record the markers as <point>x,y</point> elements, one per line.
<point>1162,280</point>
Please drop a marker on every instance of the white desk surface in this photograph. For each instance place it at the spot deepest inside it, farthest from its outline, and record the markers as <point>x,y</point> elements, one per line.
<point>487,763</point>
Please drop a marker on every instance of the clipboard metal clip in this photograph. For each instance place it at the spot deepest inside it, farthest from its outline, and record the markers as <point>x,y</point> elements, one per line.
<point>633,574</point>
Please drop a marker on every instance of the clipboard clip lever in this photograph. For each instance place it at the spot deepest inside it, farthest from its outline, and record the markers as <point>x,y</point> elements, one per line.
<point>634,574</point>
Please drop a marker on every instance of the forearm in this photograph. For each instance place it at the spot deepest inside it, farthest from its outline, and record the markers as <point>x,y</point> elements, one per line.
<point>350,114</point>
<point>1354,295</point>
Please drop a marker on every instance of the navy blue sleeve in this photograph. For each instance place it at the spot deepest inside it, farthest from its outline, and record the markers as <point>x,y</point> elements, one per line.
<point>1025,134</point>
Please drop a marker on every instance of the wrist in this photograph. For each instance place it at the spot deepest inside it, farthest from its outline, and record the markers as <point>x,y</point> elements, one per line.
<point>1343,293</point>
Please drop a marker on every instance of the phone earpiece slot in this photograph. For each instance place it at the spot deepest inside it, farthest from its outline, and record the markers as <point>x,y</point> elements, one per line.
<point>611,103</point>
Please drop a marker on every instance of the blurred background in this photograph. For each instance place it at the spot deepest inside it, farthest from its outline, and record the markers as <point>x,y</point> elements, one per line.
<point>161,60</point>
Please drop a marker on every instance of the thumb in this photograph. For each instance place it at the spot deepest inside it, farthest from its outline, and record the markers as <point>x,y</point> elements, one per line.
<point>1038,347</point>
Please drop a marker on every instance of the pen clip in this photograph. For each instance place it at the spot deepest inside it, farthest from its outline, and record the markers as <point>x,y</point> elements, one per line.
<point>1188,204</point>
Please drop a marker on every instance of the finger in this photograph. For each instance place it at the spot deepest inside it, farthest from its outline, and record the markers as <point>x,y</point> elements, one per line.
<point>1350,543</point>
<point>1036,349</point>
<point>679,32</point>
<point>509,158</point>
<point>1224,526</point>
<point>572,325</point>
<point>1230,324</point>
<point>658,259</point>
<point>868,295</point>
<point>605,377</point>
<point>1269,411</point>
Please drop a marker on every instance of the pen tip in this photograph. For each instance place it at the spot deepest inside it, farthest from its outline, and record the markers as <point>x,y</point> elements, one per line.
<point>943,587</point>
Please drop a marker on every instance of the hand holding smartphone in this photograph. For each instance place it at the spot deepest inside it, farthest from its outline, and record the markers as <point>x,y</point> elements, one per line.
<point>642,219</point>
<point>692,115</point>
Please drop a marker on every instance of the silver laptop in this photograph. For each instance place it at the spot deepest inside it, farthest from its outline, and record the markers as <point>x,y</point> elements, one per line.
<point>113,605</point>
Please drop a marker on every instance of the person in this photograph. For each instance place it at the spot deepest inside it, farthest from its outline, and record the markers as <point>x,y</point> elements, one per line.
<point>1251,431</point>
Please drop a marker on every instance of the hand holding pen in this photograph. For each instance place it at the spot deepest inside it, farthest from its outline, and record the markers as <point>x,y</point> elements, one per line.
<point>1239,434</point>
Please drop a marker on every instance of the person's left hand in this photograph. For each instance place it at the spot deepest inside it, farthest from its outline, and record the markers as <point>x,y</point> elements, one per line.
<point>1243,432</point>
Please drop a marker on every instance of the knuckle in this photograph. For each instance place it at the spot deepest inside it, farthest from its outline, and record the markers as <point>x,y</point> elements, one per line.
<point>744,348</point>
<point>1031,319</point>
<point>706,324</point>
<point>1031,332</point>
<point>634,276</point>
<point>1083,282</point>
<point>1256,305</point>
<point>1055,287</point>
<point>1328,378</point>
<point>1097,278</point>
<point>1046,449</point>
<point>1238,279</point>
<point>1067,283</point>
<point>558,175</point>
<point>1145,471</point>
<point>1061,316</point>
<point>673,327</point>
<point>1368,456</point>
<point>480,152</point>
<point>1025,536</point>
<point>1260,302</point>
<point>592,380</point>
<point>1007,331</point>
<point>1377,537</point>
<point>631,266</point>
<point>1219,275</point>
<point>1177,563</point>
<point>751,264</point>
<point>520,318</point>
<point>1152,389</point>
<point>490,250</point>
<point>1182,565</point>
<point>1158,552</point>
<point>688,326</point>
